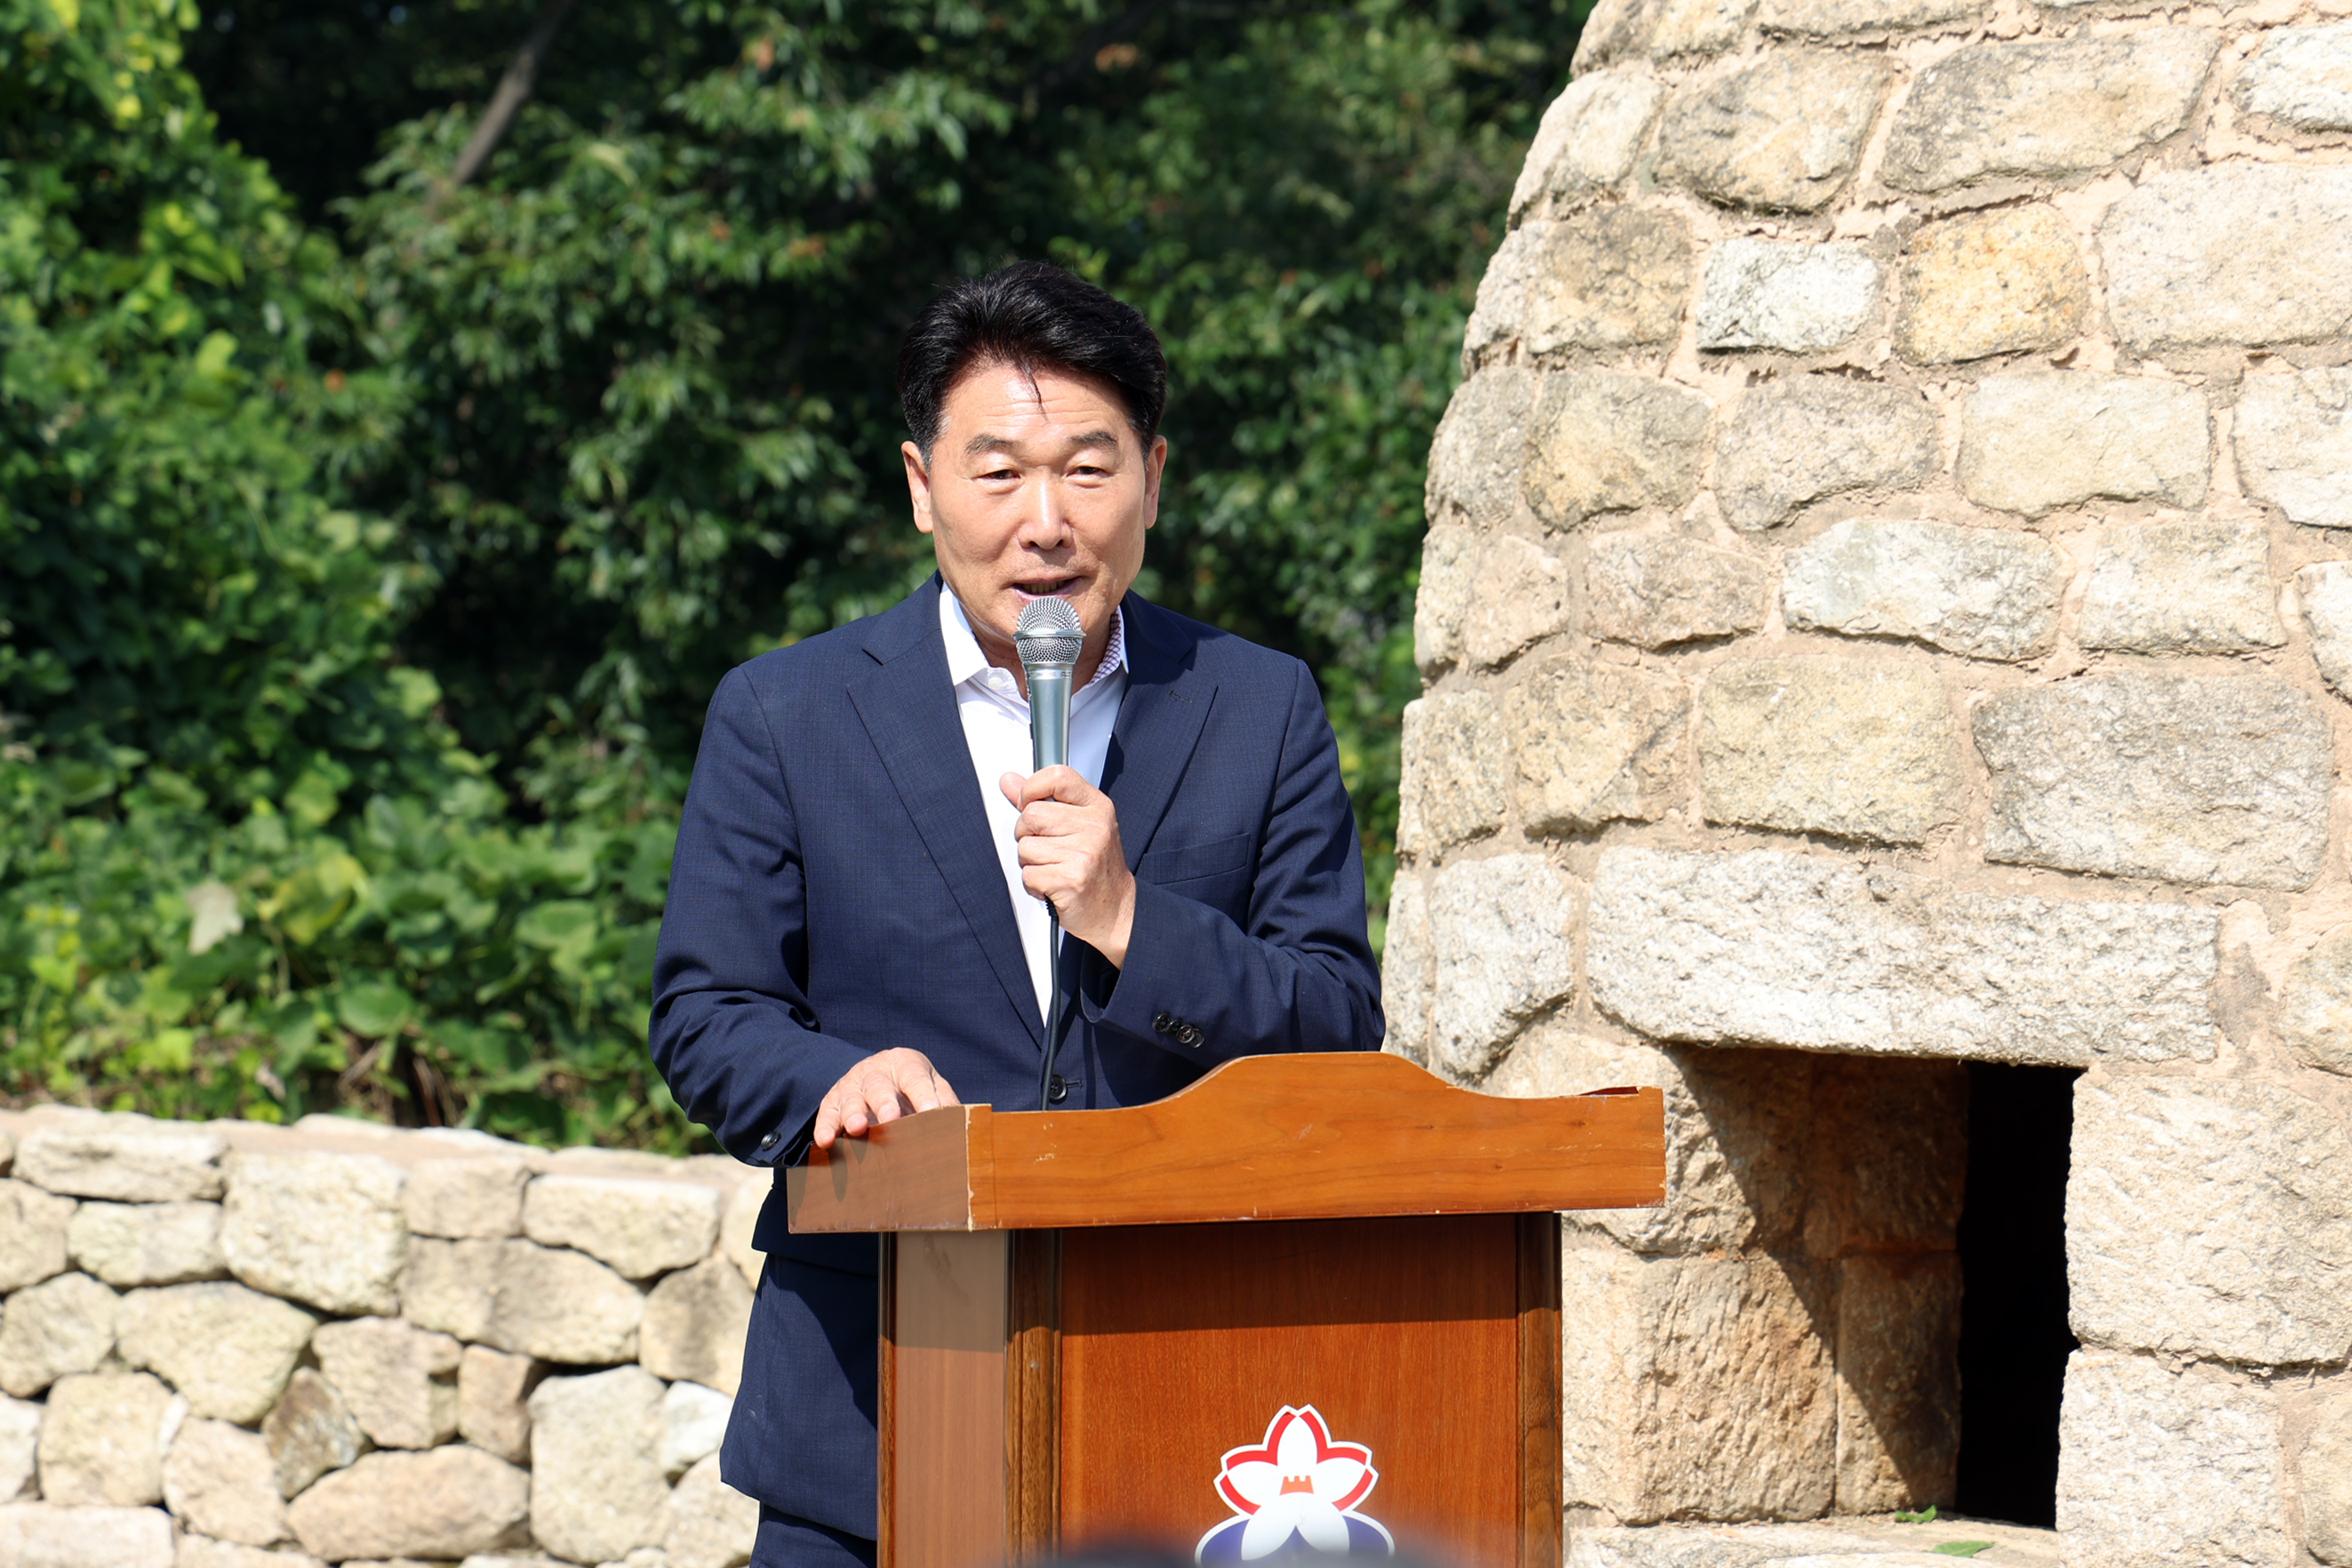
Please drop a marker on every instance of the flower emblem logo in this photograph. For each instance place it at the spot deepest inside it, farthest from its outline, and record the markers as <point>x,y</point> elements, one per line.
<point>1295,1492</point>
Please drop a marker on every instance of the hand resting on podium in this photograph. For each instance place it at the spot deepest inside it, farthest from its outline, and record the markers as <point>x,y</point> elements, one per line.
<point>883,1087</point>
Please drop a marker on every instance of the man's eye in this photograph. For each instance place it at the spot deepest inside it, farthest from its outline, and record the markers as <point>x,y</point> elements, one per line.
<point>1001,474</point>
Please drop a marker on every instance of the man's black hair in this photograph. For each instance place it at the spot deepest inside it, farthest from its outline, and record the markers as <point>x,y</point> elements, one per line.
<point>1034,317</point>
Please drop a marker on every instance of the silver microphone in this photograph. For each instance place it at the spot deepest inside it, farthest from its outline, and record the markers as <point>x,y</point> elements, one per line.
<point>1049,639</point>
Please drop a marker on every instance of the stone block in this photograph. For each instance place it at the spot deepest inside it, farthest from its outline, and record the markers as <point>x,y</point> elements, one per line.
<point>736,1231</point>
<point>2240,253</point>
<point>2189,779</point>
<point>549,1302</point>
<point>1889,1157</point>
<point>203,1551</point>
<point>694,1422</point>
<point>1737,1125</point>
<point>468,1197</point>
<point>2295,443</point>
<point>1588,138</point>
<point>713,1525</point>
<point>1986,593</point>
<point>439,1504</point>
<point>1798,299</point>
<point>1898,1377</point>
<point>1991,283</point>
<point>1518,596</point>
<point>2300,77</point>
<point>1456,762</point>
<point>493,1394</point>
<point>309,1431</point>
<point>1825,954</point>
<point>103,1437</point>
<point>1781,136</point>
<point>127,1158</point>
<point>1499,933</point>
<point>2182,587</point>
<point>1442,599</point>
<point>639,1228</point>
<point>1790,443</point>
<point>2159,1465</point>
<point>2044,108</point>
<point>2314,1016</point>
<point>42,1535</point>
<point>1473,458</point>
<point>1614,29</point>
<point>1655,590</point>
<point>1500,315</point>
<point>218,1478</point>
<point>400,1382</point>
<point>33,1225</point>
<point>2210,1218</point>
<point>1685,27</point>
<point>20,1442</point>
<point>1407,967</point>
<point>1845,18</point>
<point>1604,441</point>
<point>148,1244</point>
<point>48,1331</point>
<point>2038,440</point>
<point>2326,592</point>
<point>695,1325</point>
<point>229,1349</point>
<point>1595,742</point>
<point>323,1230</point>
<point>595,1455</point>
<point>2324,1468</point>
<point>1812,745</point>
<point>1697,1386</point>
<point>1612,279</point>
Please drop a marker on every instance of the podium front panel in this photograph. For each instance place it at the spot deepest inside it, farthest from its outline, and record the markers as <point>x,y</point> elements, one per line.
<point>1400,1337</point>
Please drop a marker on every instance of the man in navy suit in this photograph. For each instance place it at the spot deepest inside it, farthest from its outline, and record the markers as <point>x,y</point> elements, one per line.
<point>856,928</point>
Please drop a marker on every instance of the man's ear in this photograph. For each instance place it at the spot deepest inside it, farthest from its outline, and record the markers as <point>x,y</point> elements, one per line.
<point>1155,467</point>
<point>919,484</point>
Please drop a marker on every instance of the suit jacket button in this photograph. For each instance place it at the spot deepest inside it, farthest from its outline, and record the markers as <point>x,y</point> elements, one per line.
<point>1191,1035</point>
<point>769,1142</point>
<point>1164,1024</point>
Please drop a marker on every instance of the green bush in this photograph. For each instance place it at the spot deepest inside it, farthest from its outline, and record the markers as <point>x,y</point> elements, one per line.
<point>245,869</point>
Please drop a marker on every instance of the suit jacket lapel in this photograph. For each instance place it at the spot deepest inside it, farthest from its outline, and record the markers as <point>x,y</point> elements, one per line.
<point>1159,723</point>
<point>910,712</point>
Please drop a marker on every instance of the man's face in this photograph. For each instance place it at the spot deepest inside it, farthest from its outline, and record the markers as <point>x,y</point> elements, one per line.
<point>1036,488</point>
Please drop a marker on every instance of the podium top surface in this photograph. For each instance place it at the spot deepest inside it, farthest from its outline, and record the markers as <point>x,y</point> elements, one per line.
<point>1324,1136</point>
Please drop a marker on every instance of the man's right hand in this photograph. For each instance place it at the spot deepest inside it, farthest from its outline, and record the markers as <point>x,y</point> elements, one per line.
<point>883,1087</point>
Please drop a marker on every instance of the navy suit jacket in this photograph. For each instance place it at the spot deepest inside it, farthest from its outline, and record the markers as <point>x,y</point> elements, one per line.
<point>835,893</point>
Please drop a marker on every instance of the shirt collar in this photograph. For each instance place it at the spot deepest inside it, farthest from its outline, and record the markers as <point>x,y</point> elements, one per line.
<point>967,662</point>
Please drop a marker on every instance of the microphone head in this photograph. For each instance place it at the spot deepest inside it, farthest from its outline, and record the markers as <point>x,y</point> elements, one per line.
<point>1048,635</point>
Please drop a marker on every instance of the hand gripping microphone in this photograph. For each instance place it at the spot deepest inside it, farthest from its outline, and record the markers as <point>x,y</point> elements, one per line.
<point>1049,639</point>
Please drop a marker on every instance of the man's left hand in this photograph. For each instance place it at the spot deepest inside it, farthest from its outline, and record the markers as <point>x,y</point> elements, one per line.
<point>1072,859</point>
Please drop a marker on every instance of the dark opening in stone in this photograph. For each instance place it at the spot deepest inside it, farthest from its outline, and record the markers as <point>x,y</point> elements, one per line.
<point>2014,1338</point>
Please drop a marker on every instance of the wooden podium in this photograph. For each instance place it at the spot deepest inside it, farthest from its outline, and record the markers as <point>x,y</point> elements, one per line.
<point>1091,1319</point>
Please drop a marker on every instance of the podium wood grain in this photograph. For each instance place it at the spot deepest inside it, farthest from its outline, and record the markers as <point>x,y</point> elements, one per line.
<point>1083,1312</point>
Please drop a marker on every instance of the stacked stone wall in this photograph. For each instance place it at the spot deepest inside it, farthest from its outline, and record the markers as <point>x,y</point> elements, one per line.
<point>225,1345</point>
<point>1889,593</point>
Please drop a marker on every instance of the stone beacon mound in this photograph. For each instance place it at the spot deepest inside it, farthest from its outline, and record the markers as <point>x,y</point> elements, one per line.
<point>338,1342</point>
<point>1886,618</point>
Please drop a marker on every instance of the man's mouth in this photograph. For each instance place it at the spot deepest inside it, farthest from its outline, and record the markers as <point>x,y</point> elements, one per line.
<point>1046,588</point>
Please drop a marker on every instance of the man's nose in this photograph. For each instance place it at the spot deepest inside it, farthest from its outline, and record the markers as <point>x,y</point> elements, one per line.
<point>1046,524</point>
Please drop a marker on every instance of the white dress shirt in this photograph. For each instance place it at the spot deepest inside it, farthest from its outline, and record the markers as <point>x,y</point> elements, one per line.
<point>996,732</point>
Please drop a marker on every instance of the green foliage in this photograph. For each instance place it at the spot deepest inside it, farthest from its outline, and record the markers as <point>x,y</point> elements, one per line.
<point>649,355</point>
<point>375,549</point>
<point>244,870</point>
